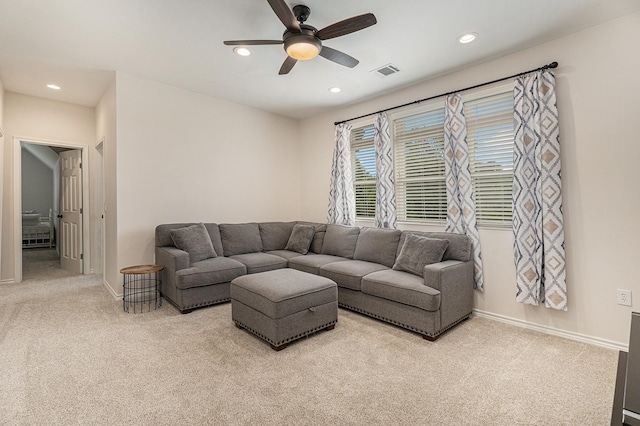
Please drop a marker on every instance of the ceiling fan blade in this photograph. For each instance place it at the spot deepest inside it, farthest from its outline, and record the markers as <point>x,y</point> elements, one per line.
<point>287,65</point>
<point>347,26</point>
<point>285,15</point>
<point>338,57</point>
<point>251,42</point>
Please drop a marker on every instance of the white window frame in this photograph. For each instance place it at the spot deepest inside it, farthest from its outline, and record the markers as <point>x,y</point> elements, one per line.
<point>432,106</point>
<point>485,222</point>
<point>399,180</point>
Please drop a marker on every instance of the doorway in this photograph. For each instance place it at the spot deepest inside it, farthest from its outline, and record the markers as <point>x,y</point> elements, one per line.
<point>72,236</point>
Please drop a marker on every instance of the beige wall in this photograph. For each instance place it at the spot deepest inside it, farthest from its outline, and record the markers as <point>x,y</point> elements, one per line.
<point>1,167</point>
<point>39,119</point>
<point>182,156</point>
<point>37,184</point>
<point>598,94</point>
<point>106,131</point>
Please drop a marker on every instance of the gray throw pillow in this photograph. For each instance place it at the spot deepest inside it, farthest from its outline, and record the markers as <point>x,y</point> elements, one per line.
<point>417,252</point>
<point>300,239</point>
<point>195,240</point>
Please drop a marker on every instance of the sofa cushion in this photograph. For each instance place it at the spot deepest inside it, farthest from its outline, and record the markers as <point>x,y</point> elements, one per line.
<point>417,252</point>
<point>459,247</point>
<point>212,271</point>
<point>275,235</point>
<point>340,240</point>
<point>300,239</point>
<point>318,237</point>
<point>195,240</point>
<point>214,233</point>
<point>348,274</point>
<point>311,263</point>
<point>318,240</point>
<point>285,254</point>
<point>163,235</point>
<point>240,238</point>
<point>459,244</point>
<point>260,262</point>
<point>401,287</point>
<point>377,245</point>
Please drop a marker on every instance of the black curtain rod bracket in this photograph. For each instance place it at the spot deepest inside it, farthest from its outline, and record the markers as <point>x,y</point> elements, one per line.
<point>552,65</point>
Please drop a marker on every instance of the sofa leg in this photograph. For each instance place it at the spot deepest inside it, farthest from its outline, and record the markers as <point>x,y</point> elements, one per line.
<point>186,311</point>
<point>331,327</point>
<point>278,348</point>
<point>429,338</point>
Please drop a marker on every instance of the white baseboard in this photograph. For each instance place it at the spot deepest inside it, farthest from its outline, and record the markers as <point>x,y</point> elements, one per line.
<point>609,344</point>
<point>8,281</point>
<point>116,296</point>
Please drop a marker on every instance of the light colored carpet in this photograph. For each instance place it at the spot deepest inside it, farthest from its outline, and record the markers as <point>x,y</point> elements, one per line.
<point>69,355</point>
<point>42,264</point>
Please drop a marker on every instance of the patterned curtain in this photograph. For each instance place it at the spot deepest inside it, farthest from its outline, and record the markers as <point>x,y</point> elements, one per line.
<point>461,209</point>
<point>385,191</point>
<point>342,201</point>
<point>537,194</point>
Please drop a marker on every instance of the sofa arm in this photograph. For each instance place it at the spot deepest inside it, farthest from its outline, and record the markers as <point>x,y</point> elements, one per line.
<point>454,280</point>
<point>442,274</point>
<point>173,259</point>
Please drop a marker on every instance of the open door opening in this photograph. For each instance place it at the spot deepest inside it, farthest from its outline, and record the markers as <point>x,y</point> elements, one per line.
<point>59,253</point>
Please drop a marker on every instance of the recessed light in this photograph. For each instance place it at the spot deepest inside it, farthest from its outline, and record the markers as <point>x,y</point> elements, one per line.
<point>467,38</point>
<point>53,86</point>
<point>242,51</point>
<point>335,90</point>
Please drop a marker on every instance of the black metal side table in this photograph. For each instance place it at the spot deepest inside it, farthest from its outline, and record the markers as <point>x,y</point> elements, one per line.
<point>141,288</point>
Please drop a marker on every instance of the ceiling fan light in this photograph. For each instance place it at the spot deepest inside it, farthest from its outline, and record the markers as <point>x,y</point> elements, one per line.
<point>242,51</point>
<point>302,47</point>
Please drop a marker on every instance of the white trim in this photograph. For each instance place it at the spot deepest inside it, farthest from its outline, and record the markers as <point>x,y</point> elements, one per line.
<point>1,133</point>
<point>7,281</point>
<point>17,201</point>
<point>570,335</point>
<point>101,205</point>
<point>631,414</point>
<point>116,296</point>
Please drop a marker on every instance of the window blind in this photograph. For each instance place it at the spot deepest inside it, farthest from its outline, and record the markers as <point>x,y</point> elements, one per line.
<point>490,143</point>
<point>419,167</point>
<point>363,164</point>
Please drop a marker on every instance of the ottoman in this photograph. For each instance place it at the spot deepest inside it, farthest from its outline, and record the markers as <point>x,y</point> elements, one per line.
<point>283,305</point>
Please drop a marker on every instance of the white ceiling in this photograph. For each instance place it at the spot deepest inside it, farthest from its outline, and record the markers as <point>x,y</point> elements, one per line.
<point>77,44</point>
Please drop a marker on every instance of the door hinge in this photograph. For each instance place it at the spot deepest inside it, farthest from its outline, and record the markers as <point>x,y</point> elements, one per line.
<point>80,165</point>
<point>80,210</point>
<point>81,256</point>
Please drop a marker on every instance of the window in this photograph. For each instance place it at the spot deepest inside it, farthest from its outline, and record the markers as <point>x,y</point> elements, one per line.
<point>363,164</point>
<point>421,194</point>
<point>490,143</point>
<point>418,143</point>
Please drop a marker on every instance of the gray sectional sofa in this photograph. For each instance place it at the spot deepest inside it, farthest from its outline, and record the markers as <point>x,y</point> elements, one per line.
<point>420,281</point>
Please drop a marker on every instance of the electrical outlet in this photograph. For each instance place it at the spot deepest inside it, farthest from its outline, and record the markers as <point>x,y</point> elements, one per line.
<point>624,297</point>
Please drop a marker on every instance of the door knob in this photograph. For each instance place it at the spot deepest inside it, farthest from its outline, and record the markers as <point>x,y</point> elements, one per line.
<point>59,216</point>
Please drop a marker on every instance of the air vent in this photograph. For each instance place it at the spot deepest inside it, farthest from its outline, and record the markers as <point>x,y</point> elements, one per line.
<point>385,70</point>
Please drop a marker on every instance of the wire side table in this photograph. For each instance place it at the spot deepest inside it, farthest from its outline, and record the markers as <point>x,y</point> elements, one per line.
<point>141,288</point>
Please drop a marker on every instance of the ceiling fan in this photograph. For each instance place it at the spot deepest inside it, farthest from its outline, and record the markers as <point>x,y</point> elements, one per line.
<point>302,41</point>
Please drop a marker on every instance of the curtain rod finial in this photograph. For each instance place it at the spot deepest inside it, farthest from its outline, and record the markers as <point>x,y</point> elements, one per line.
<point>553,64</point>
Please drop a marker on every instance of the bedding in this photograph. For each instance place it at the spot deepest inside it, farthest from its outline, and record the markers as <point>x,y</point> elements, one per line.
<point>37,231</point>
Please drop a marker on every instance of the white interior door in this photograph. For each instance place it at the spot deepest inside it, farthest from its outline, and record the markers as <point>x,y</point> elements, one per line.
<point>71,210</point>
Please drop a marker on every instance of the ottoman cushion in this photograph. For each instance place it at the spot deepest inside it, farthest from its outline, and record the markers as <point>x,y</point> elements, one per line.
<point>283,292</point>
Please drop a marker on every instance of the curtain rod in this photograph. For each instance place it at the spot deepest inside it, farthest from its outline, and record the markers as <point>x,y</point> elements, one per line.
<point>542,68</point>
